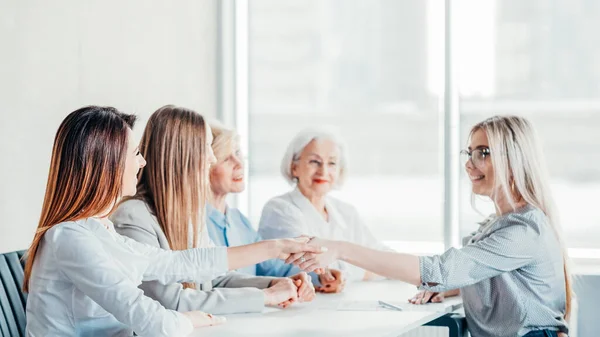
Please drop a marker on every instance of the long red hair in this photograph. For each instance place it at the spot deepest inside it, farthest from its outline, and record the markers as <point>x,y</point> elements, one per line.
<point>86,170</point>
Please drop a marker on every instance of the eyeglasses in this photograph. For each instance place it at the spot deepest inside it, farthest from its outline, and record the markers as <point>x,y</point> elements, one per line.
<point>476,156</point>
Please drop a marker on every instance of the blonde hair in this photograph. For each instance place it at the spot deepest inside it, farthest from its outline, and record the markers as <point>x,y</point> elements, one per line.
<point>298,144</point>
<point>520,169</point>
<point>225,141</point>
<point>174,182</point>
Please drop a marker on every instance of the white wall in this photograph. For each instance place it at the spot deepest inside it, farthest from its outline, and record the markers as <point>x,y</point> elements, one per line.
<point>58,56</point>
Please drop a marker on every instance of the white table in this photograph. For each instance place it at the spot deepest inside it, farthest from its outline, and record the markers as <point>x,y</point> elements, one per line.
<point>324,317</point>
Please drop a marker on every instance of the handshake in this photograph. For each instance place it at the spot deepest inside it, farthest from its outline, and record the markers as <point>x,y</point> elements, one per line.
<point>285,291</point>
<point>308,253</point>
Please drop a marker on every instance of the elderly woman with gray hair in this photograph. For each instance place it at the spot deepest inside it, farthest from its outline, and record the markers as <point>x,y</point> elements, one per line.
<point>315,163</point>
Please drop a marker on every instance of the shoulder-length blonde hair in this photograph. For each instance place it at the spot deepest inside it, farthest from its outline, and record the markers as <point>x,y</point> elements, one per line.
<point>520,169</point>
<point>86,170</point>
<point>174,182</point>
<point>225,142</point>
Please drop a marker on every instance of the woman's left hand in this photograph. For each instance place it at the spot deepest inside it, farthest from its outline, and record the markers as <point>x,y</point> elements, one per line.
<point>306,290</point>
<point>332,281</point>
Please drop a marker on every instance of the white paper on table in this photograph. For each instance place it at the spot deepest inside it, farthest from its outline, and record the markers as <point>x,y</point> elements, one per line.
<point>446,306</point>
<point>360,306</point>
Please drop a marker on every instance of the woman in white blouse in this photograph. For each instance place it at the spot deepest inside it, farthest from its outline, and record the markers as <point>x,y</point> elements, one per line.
<point>315,162</point>
<point>83,277</point>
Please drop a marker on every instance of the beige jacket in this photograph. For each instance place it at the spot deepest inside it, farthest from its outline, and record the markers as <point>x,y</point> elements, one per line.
<point>228,294</point>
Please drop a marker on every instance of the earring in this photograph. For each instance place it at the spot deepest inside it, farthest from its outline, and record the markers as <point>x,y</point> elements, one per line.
<point>519,196</point>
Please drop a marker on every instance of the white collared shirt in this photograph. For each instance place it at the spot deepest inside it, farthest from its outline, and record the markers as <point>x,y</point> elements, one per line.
<point>85,281</point>
<point>292,214</point>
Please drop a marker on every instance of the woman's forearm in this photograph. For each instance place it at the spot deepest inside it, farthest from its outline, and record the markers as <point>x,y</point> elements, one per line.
<point>403,267</point>
<point>247,255</point>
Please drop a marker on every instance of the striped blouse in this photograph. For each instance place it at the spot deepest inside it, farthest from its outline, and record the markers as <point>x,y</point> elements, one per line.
<point>510,275</point>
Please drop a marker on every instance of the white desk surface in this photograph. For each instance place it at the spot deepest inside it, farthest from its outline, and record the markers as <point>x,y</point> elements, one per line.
<point>323,317</point>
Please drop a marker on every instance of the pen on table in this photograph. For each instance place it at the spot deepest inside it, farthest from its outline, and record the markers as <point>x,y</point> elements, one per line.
<point>389,305</point>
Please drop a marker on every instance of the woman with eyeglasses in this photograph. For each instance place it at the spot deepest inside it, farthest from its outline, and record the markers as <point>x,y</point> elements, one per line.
<point>512,272</point>
<point>315,164</point>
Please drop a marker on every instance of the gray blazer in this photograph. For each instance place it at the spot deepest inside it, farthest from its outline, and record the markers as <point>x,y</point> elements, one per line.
<point>228,294</point>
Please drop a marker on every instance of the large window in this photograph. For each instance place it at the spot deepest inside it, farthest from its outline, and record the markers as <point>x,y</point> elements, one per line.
<point>539,59</point>
<point>364,68</point>
<point>375,70</point>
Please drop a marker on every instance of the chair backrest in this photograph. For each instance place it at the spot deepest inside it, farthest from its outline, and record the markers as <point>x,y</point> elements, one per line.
<point>12,299</point>
<point>586,289</point>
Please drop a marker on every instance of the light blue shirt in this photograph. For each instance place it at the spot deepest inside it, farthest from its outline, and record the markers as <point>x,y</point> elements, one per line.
<point>85,278</point>
<point>234,229</point>
<point>510,275</point>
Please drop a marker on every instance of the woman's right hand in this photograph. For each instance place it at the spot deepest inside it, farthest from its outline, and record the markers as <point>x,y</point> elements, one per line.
<point>315,262</point>
<point>283,292</point>
<point>201,319</point>
<point>287,247</point>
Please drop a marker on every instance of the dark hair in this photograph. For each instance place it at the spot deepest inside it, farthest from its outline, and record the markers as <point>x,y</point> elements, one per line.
<point>86,168</point>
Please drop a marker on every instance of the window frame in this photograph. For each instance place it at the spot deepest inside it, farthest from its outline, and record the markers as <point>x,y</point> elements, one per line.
<point>233,109</point>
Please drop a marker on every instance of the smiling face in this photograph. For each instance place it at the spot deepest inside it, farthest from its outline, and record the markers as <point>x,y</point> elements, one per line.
<point>479,167</point>
<point>133,164</point>
<point>227,176</point>
<point>317,168</point>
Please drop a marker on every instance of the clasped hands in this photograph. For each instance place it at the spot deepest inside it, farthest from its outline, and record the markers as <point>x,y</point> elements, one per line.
<point>284,291</point>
